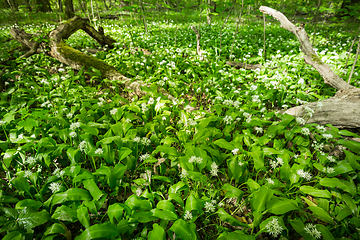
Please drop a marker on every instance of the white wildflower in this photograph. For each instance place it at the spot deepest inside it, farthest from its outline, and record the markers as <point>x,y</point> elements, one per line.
<point>187,215</point>
<point>27,173</point>
<point>327,136</point>
<point>228,119</point>
<point>184,174</point>
<point>137,139</point>
<point>99,151</point>
<point>320,128</point>
<point>300,121</point>
<point>138,192</point>
<point>82,146</point>
<point>329,170</point>
<point>55,187</point>
<point>311,229</point>
<point>304,174</point>
<point>258,129</point>
<point>145,141</point>
<point>209,207</point>
<point>73,134</point>
<point>144,157</point>
<point>253,87</point>
<point>214,169</point>
<point>273,227</point>
<point>74,126</point>
<point>331,158</point>
<point>235,151</point>
<point>113,111</point>
<point>29,160</point>
<point>305,131</point>
<point>270,181</point>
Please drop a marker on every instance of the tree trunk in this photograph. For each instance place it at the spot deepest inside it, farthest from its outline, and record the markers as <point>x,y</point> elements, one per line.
<point>69,9</point>
<point>43,5</point>
<point>342,110</point>
<point>60,6</point>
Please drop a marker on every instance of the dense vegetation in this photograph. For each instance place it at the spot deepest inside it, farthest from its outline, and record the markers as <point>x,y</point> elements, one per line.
<point>219,162</point>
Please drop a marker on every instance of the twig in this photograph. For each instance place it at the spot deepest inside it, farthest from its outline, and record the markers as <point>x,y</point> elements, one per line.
<point>356,57</point>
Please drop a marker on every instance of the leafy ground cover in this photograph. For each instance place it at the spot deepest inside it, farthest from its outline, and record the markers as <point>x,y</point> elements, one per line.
<point>79,161</point>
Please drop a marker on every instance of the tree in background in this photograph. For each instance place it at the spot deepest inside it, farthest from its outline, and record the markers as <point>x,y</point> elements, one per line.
<point>69,9</point>
<point>43,5</point>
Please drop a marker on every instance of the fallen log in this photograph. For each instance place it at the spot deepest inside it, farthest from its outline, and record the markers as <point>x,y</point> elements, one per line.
<point>74,58</point>
<point>343,109</point>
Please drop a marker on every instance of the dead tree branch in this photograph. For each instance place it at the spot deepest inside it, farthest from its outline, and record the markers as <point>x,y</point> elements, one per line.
<point>342,110</point>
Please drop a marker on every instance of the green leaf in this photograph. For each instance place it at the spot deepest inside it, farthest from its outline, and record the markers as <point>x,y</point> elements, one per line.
<point>321,214</point>
<point>340,168</point>
<point>299,226</point>
<point>192,203</point>
<point>157,233</point>
<point>65,213</point>
<point>28,203</point>
<point>29,220</point>
<point>116,212</point>
<point>164,214</point>
<point>224,144</point>
<point>260,198</point>
<point>336,183</point>
<point>82,214</point>
<point>92,187</point>
<point>142,217</point>
<point>167,150</point>
<point>351,204</point>
<point>74,155</point>
<point>123,153</point>
<point>72,194</point>
<point>280,206</point>
<point>348,134</point>
<point>315,192</point>
<point>325,232</point>
<point>183,230</point>
<point>8,156</point>
<point>14,235</point>
<point>135,203</point>
<point>257,156</point>
<point>104,231</point>
<point>232,192</point>
<point>352,158</point>
<point>225,217</point>
<point>55,228</point>
<point>22,184</point>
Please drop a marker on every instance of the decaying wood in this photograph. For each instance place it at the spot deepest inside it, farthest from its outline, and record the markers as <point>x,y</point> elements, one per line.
<point>306,47</point>
<point>343,109</point>
<point>243,65</point>
<point>74,58</point>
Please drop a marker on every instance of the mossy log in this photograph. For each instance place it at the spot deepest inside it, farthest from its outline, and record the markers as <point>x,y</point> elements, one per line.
<point>342,110</point>
<point>72,57</point>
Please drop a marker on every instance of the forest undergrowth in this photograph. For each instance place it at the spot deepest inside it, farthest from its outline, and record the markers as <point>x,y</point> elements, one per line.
<point>218,162</point>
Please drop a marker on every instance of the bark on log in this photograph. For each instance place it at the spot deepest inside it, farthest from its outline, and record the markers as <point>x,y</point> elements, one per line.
<point>342,110</point>
<point>74,58</point>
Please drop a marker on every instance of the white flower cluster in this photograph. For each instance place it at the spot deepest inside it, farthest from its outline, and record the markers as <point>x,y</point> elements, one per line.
<point>193,159</point>
<point>74,126</point>
<point>273,227</point>
<point>311,229</point>
<point>214,169</point>
<point>274,164</point>
<point>304,174</point>
<point>209,207</point>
